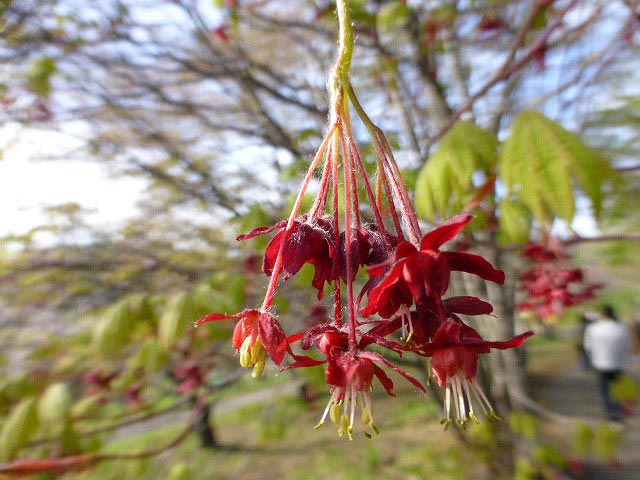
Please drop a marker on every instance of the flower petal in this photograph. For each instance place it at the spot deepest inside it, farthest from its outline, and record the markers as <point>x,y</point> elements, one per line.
<point>302,361</point>
<point>475,264</point>
<point>384,379</point>
<point>376,357</point>
<point>212,317</point>
<point>445,232</point>
<point>261,231</point>
<point>468,305</point>
<point>273,337</point>
<point>516,341</point>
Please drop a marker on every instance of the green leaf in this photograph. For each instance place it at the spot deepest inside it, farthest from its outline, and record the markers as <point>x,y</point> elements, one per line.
<point>515,222</point>
<point>445,182</point>
<point>55,403</point>
<point>18,428</point>
<point>543,164</point>
<point>625,389</point>
<point>547,455</point>
<point>86,407</point>
<point>606,442</point>
<point>39,78</point>
<point>583,439</point>
<point>524,424</point>
<point>392,15</point>
<point>141,308</point>
<point>180,472</point>
<point>181,312</point>
<point>151,356</point>
<point>113,330</point>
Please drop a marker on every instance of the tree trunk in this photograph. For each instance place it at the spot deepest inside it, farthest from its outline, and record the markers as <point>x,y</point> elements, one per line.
<point>204,429</point>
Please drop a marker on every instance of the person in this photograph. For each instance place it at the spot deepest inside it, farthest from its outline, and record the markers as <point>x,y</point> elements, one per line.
<point>607,344</point>
<point>585,320</point>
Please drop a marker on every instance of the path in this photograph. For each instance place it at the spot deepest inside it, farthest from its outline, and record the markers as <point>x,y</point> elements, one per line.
<point>574,392</point>
<point>222,406</point>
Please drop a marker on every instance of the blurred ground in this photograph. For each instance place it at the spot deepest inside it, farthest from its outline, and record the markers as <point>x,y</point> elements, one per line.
<point>566,389</point>
<point>265,431</point>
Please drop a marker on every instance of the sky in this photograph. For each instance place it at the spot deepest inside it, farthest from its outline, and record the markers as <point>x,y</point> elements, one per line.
<point>28,182</point>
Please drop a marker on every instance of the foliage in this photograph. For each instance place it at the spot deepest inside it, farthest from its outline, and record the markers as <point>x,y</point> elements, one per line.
<point>220,110</point>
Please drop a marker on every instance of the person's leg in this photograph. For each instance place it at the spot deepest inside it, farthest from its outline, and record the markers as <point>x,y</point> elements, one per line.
<point>613,408</point>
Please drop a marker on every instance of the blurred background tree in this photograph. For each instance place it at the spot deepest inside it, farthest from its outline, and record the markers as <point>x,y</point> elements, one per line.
<point>219,107</point>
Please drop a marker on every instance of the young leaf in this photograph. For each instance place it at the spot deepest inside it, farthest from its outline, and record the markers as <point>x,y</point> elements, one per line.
<point>447,177</point>
<point>180,312</point>
<point>113,330</point>
<point>392,15</point>
<point>55,403</point>
<point>515,222</point>
<point>543,164</point>
<point>39,78</point>
<point>18,428</point>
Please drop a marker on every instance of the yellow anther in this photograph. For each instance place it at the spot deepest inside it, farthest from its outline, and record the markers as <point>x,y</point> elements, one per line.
<point>366,417</point>
<point>258,352</point>
<point>493,416</point>
<point>409,337</point>
<point>334,413</point>
<point>474,417</point>
<point>447,422</point>
<point>258,368</point>
<point>245,359</point>
<point>245,353</point>
<point>320,423</point>
<point>345,427</point>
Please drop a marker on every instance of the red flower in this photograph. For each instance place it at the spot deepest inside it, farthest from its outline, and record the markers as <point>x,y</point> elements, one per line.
<point>368,246</point>
<point>422,275</point>
<point>255,335</point>
<point>308,241</point>
<point>455,351</point>
<point>190,377</point>
<point>420,325</point>
<point>540,254</point>
<point>350,376</point>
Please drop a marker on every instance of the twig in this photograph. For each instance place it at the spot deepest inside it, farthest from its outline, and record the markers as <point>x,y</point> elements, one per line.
<point>614,237</point>
<point>508,68</point>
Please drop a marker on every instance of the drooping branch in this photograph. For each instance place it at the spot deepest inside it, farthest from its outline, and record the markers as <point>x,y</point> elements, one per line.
<point>509,67</point>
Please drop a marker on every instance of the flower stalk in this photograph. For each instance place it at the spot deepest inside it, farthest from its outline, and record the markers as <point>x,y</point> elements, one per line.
<point>364,235</point>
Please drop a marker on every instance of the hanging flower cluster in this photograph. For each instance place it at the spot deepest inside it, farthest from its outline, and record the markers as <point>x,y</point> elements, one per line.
<point>551,286</point>
<point>363,225</point>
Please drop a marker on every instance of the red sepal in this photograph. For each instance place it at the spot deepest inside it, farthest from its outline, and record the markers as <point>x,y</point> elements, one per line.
<point>475,264</point>
<point>445,232</point>
<point>261,231</point>
<point>273,337</point>
<point>467,305</point>
<point>213,317</point>
<point>376,357</point>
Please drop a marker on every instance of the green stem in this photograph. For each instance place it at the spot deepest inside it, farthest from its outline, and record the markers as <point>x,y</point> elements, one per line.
<point>340,74</point>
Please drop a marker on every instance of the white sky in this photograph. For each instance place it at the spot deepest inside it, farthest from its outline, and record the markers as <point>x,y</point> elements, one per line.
<point>28,183</point>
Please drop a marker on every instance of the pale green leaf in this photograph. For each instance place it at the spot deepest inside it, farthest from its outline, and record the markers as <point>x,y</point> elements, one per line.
<point>515,222</point>
<point>18,428</point>
<point>180,313</point>
<point>392,15</point>
<point>113,330</point>
<point>543,164</point>
<point>55,403</point>
<point>446,180</point>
